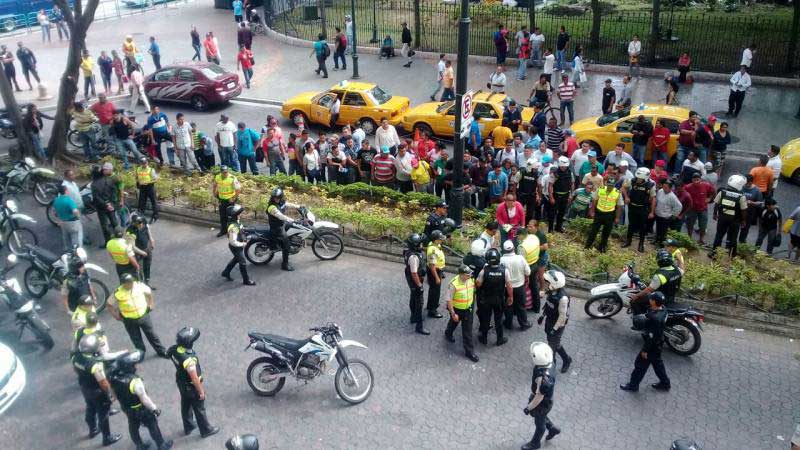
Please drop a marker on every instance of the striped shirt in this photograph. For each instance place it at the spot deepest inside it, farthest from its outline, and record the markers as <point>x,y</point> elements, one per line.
<point>383,168</point>
<point>566,91</point>
<point>553,138</point>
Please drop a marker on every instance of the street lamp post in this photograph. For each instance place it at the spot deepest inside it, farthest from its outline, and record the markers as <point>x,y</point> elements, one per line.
<point>457,193</point>
<point>355,75</point>
<point>374,23</point>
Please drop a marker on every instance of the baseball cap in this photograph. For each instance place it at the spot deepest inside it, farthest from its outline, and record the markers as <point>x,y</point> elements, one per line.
<point>547,159</point>
<point>223,168</point>
<point>709,165</point>
<point>696,175</point>
<point>592,154</point>
<point>108,166</point>
<point>623,163</point>
<point>661,163</point>
<point>385,149</point>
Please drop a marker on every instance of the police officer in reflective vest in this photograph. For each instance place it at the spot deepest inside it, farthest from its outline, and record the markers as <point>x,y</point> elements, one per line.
<point>88,364</point>
<point>436,219</point>
<point>146,178</point>
<point>133,398</point>
<point>666,280</point>
<point>121,251</point>
<point>540,402</point>
<point>93,327</point>
<point>276,211</point>
<point>562,188</point>
<point>236,244</point>
<point>131,303</point>
<point>652,325</point>
<point>495,294</point>
<point>641,199</point>
<point>189,378</point>
<point>226,188</point>
<point>415,274</point>
<point>730,211</point>
<point>436,263</point>
<point>556,315</point>
<point>84,307</point>
<point>529,248</point>
<point>460,296</point>
<point>605,209</point>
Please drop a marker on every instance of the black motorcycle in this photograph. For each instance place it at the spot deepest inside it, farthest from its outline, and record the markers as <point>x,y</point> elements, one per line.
<point>48,270</point>
<point>25,314</point>
<point>25,176</point>
<point>11,232</point>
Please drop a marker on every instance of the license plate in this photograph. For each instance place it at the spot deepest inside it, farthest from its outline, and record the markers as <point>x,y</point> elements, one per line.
<point>231,85</point>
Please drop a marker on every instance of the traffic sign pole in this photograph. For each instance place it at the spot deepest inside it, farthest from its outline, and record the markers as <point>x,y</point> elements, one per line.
<point>457,193</point>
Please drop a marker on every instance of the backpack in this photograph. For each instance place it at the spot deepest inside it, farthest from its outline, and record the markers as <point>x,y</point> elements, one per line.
<point>326,50</point>
<point>342,40</point>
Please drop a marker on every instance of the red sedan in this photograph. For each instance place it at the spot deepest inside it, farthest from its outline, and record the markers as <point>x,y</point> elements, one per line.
<point>199,84</point>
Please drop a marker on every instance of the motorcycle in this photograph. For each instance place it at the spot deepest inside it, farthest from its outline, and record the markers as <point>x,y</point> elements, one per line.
<point>325,243</point>
<point>103,144</point>
<point>682,333</point>
<point>307,359</point>
<point>47,271</point>
<point>88,205</point>
<point>7,128</point>
<point>11,232</point>
<point>24,308</point>
<point>25,176</point>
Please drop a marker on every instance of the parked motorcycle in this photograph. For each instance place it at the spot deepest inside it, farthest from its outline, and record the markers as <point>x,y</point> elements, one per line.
<point>25,176</point>
<point>307,359</point>
<point>682,333</point>
<point>88,205</point>
<point>325,242</point>
<point>24,308</point>
<point>47,271</point>
<point>103,144</point>
<point>7,128</point>
<point>11,232</point>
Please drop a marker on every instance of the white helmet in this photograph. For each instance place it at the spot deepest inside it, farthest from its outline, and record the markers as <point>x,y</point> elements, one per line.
<point>737,182</point>
<point>563,161</point>
<point>508,246</point>
<point>709,165</point>
<point>478,247</point>
<point>642,173</point>
<point>555,279</point>
<point>541,353</point>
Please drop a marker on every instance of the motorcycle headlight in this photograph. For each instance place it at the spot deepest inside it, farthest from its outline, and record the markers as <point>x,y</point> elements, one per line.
<point>12,206</point>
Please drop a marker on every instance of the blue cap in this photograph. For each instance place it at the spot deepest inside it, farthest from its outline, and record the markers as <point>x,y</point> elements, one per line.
<point>592,153</point>
<point>547,159</point>
<point>385,149</point>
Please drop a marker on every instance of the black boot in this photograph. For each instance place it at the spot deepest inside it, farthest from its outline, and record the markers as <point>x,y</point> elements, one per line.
<point>482,338</point>
<point>641,246</point>
<point>627,242</point>
<point>111,439</point>
<point>421,330</point>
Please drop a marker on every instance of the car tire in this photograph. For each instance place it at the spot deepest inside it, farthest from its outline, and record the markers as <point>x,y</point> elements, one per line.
<point>368,125</point>
<point>423,128</point>
<point>199,103</point>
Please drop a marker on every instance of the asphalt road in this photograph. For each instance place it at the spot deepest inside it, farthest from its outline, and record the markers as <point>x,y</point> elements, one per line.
<point>738,392</point>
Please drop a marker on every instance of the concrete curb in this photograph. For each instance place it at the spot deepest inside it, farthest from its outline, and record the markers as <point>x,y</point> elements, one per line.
<point>591,68</point>
<point>725,314</point>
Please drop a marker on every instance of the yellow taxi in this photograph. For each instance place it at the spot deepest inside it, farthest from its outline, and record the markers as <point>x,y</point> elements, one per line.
<point>438,118</point>
<point>363,103</point>
<point>790,159</point>
<point>603,133</point>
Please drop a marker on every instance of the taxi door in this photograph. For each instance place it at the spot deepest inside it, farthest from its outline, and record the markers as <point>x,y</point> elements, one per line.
<point>353,108</point>
<point>623,135</point>
<point>321,109</point>
<point>488,117</point>
<point>446,122</point>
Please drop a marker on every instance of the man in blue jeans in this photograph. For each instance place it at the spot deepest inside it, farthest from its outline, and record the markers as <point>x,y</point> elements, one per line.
<point>246,138</point>
<point>69,219</point>
<point>562,41</point>
<point>158,124</point>
<point>687,131</point>
<point>321,51</point>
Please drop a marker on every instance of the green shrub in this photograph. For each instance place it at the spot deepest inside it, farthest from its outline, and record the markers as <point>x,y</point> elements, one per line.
<point>683,240</point>
<point>200,198</point>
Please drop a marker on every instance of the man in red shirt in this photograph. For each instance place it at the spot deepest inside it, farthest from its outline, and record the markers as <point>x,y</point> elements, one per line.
<point>660,140</point>
<point>244,61</point>
<point>701,193</point>
<point>383,169</point>
<point>424,145</point>
<point>686,140</point>
<point>104,110</point>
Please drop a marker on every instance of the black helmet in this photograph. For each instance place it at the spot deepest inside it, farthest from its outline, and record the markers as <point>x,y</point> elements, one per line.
<point>684,444</point>
<point>234,211</point>
<point>119,232</point>
<point>138,219</point>
<point>127,278</point>
<point>492,257</point>
<point>91,319</point>
<point>639,321</point>
<point>186,336</point>
<point>128,361</point>
<point>89,344</point>
<point>75,264</point>
<point>671,243</point>
<point>242,442</point>
<point>663,258</point>
<point>414,241</point>
<point>278,196</point>
<point>657,297</point>
<point>448,226</point>
<point>437,235</point>
<point>85,300</point>
<point>440,204</point>
<point>135,216</point>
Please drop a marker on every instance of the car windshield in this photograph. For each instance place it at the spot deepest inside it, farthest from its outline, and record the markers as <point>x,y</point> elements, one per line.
<point>380,95</point>
<point>213,72</point>
<point>444,107</point>
<point>616,115</point>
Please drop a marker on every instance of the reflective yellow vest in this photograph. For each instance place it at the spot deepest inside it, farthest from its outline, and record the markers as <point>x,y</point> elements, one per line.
<point>437,250</point>
<point>531,247</point>
<point>118,249</point>
<point>225,188</point>
<point>464,292</point>
<point>607,200</point>
<point>144,175</point>
<point>79,315</point>
<point>132,303</point>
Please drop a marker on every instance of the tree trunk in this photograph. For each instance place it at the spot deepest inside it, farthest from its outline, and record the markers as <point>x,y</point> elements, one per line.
<point>595,33</point>
<point>78,24</point>
<point>14,114</point>
<point>654,32</point>
<point>793,38</point>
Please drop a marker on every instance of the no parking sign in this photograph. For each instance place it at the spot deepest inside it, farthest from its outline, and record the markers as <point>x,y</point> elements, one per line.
<point>467,106</point>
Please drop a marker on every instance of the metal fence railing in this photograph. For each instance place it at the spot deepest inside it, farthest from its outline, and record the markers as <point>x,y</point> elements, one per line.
<point>714,42</point>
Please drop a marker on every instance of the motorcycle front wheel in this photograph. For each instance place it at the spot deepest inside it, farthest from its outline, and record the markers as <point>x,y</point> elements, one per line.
<point>682,337</point>
<point>36,282</point>
<point>45,192</point>
<point>41,331</point>
<point>50,212</point>
<point>263,377</point>
<point>19,239</point>
<point>258,252</point>
<point>354,382</point>
<point>101,294</point>
<point>327,246</point>
<point>603,306</point>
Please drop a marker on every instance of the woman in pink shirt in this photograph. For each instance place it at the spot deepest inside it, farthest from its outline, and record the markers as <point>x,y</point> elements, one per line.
<point>510,216</point>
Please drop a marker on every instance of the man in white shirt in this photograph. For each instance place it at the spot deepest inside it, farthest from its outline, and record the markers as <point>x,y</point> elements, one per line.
<point>549,65</point>
<point>386,135</point>
<point>184,144</point>
<point>440,68</point>
<point>497,81</point>
<point>519,271</point>
<point>775,164</point>
<point>508,153</point>
<point>337,104</point>
<point>740,82</point>
<point>634,50</point>
<point>404,167</point>
<point>541,152</point>
<point>358,136</point>
<point>226,143</point>
<point>618,155</point>
<point>578,158</point>
<point>524,156</point>
<point>747,55</point>
<point>537,41</point>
